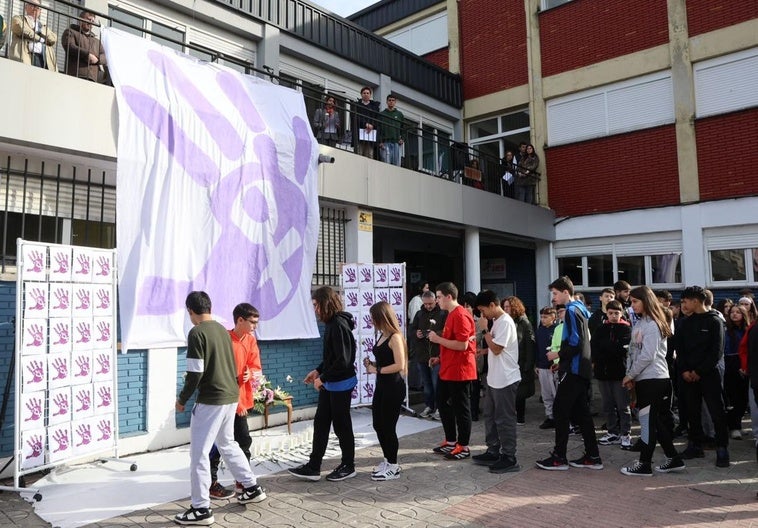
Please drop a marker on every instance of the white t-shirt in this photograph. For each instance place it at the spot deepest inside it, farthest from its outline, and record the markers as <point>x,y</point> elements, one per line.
<point>503,368</point>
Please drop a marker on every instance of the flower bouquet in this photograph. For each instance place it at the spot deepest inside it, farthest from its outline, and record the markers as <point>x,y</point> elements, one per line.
<point>264,394</point>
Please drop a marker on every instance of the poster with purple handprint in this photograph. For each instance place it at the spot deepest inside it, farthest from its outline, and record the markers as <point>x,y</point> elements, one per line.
<point>382,294</point>
<point>61,299</point>
<point>59,442</point>
<point>396,275</point>
<point>59,405</point>
<point>33,444</point>
<point>397,298</point>
<point>102,365</point>
<point>102,333</point>
<point>32,415</point>
<point>350,276</point>
<point>58,370</point>
<point>222,165</point>
<point>82,265</point>
<point>34,373</point>
<point>102,300</point>
<point>84,433</point>
<point>366,277</point>
<point>103,397</point>
<point>34,340</point>
<point>35,300</point>
<point>103,267</point>
<point>82,401</point>
<point>81,300</point>
<point>60,264</point>
<point>103,431</point>
<point>381,275</point>
<point>81,366</point>
<point>83,333</point>
<point>61,335</point>
<point>34,262</point>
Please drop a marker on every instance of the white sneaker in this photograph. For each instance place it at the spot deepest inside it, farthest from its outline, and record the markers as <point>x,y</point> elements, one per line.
<point>609,439</point>
<point>381,467</point>
<point>736,434</point>
<point>626,441</point>
<point>436,415</point>
<point>426,413</point>
<point>391,472</point>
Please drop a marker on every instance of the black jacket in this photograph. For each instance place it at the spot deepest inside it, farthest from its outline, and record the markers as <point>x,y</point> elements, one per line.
<point>367,114</point>
<point>422,348</point>
<point>610,344</point>
<point>699,343</point>
<point>339,349</point>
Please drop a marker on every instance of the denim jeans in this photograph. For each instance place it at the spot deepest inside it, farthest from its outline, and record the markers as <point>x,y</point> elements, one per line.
<point>390,153</point>
<point>429,378</point>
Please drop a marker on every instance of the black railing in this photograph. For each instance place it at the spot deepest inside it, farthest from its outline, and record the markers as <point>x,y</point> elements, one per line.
<point>331,247</point>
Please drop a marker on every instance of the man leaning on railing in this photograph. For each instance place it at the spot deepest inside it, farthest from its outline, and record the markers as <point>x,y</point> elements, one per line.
<point>31,41</point>
<point>85,56</point>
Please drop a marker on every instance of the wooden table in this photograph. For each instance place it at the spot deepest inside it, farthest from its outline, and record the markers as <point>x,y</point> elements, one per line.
<point>288,403</point>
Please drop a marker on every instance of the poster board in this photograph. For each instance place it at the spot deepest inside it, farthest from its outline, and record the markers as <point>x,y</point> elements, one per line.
<point>363,285</point>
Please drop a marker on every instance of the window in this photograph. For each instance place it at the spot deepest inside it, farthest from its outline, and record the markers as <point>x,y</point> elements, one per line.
<point>497,135</point>
<point>729,265</point>
<point>168,36</point>
<point>424,36</point>
<point>631,269</point>
<point>667,269</point>
<point>549,4</point>
<point>597,271</point>
<point>571,267</point>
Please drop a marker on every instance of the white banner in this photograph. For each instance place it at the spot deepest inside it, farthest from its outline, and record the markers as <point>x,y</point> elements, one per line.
<point>216,191</point>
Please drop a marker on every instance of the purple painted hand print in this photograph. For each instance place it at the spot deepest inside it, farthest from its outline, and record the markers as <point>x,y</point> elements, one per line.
<point>34,406</point>
<point>36,261</point>
<point>61,438</point>
<point>61,368</point>
<point>61,401</point>
<point>38,296</point>
<point>350,277</point>
<point>103,364</point>
<point>35,444</point>
<point>85,434</point>
<point>84,262</point>
<point>62,260</point>
<point>36,371</point>
<point>366,275</point>
<point>352,298</point>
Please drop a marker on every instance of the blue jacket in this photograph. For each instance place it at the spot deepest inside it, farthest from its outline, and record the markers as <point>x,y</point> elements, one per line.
<point>575,354</point>
<point>544,338</point>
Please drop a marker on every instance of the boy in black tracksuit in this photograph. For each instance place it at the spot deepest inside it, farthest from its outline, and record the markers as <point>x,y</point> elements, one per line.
<point>700,345</point>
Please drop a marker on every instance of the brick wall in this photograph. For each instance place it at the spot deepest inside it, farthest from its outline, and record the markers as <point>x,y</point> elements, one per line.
<point>709,15</point>
<point>132,392</point>
<point>493,41</point>
<point>440,57</point>
<point>583,32</point>
<point>7,346</point>
<point>727,157</point>
<point>621,172</point>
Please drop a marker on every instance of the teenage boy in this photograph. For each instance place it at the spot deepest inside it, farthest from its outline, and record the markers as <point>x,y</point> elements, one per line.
<point>610,345</point>
<point>574,374</point>
<point>699,346</point>
<point>503,377</point>
<point>391,132</point>
<point>457,362</point>
<point>599,316</point>
<point>247,357</point>
<point>211,370</point>
<point>545,373</point>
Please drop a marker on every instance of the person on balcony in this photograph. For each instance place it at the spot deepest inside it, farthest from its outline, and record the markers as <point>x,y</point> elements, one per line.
<point>392,132</point>
<point>367,111</point>
<point>527,177</point>
<point>31,41</point>
<point>326,123</point>
<point>85,56</point>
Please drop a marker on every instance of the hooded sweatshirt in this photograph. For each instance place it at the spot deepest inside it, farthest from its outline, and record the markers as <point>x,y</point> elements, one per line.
<point>339,349</point>
<point>699,343</point>
<point>575,354</point>
<point>610,343</point>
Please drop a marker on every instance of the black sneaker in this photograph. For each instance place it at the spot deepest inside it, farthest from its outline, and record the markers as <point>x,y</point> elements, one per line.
<point>722,457</point>
<point>638,469</point>
<point>553,463</point>
<point>692,452</point>
<point>549,423</point>
<point>196,517</point>
<point>587,462</point>
<point>505,464</point>
<point>252,494</point>
<point>458,453</point>
<point>671,465</point>
<point>217,491</point>
<point>443,449</point>
<point>485,459</point>
<point>342,472</point>
<point>305,472</point>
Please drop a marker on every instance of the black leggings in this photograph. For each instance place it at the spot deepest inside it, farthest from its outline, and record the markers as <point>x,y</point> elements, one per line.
<point>736,389</point>
<point>385,410</point>
<point>656,418</point>
<point>333,410</point>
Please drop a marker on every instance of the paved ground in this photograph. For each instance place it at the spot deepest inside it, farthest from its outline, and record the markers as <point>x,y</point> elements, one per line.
<point>434,492</point>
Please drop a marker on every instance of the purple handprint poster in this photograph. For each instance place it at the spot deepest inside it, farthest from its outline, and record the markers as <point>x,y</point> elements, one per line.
<point>82,401</point>
<point>81,300</point>
<point>61,263</point>
<point>61,299</point>
<point>366,277</point>
<point>33,448</point>
<point>61,335</point>
<point>103,267</point>
<point>34,340</point>
<point>83,334</point>
<point>102,300</point>
<point>82,365</point>
<point>59,442</point>
<point>58,370</point>
<point>81,265</point>
<point>32,415</point>
<point>34,373</point>
<point>396,275</point>
<point>34,262</point>
<point>102,333</point>
<point>350,276</point>
<point>103,398</point>
<point>59,405</point>
<point>35,300</point>
<point>381,275</point>
<point>224,169</point>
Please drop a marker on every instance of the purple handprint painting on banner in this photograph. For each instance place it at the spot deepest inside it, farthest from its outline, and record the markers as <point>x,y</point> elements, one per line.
<point>35,336</point>
<point>230,171</point>
<point>34,265</point>
<point>32,410</point>
<point>33,448</point>
<point>60,264</point>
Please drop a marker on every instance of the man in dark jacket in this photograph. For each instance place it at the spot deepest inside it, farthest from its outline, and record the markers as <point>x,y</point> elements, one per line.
<point>700,346</point>
<point>610,343</point>
<point>367,113</point>
<point>429,317</point>
<point>85,55</point>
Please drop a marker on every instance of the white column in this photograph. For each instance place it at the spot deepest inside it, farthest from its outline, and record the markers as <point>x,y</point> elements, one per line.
<point>359,243</point>
<point>473,280</point>
<point>693,247</point>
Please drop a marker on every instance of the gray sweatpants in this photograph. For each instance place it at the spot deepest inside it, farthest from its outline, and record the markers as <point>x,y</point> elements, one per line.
<point>500,420</point>
<point>214,424</point>
<point>616,406</point>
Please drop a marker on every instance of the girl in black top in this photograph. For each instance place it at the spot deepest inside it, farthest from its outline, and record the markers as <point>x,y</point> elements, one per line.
<point>390,368</point>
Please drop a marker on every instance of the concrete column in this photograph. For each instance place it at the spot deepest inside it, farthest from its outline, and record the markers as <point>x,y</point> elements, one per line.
<point>682,79</point>
<point>693,247</point>
<point>268,49</point>
<point>544,257</point>
<point>537,108</point>
<point>454,51</point>
<point>359,243</point>
<point>473,279</point>
<point>384,89</point>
